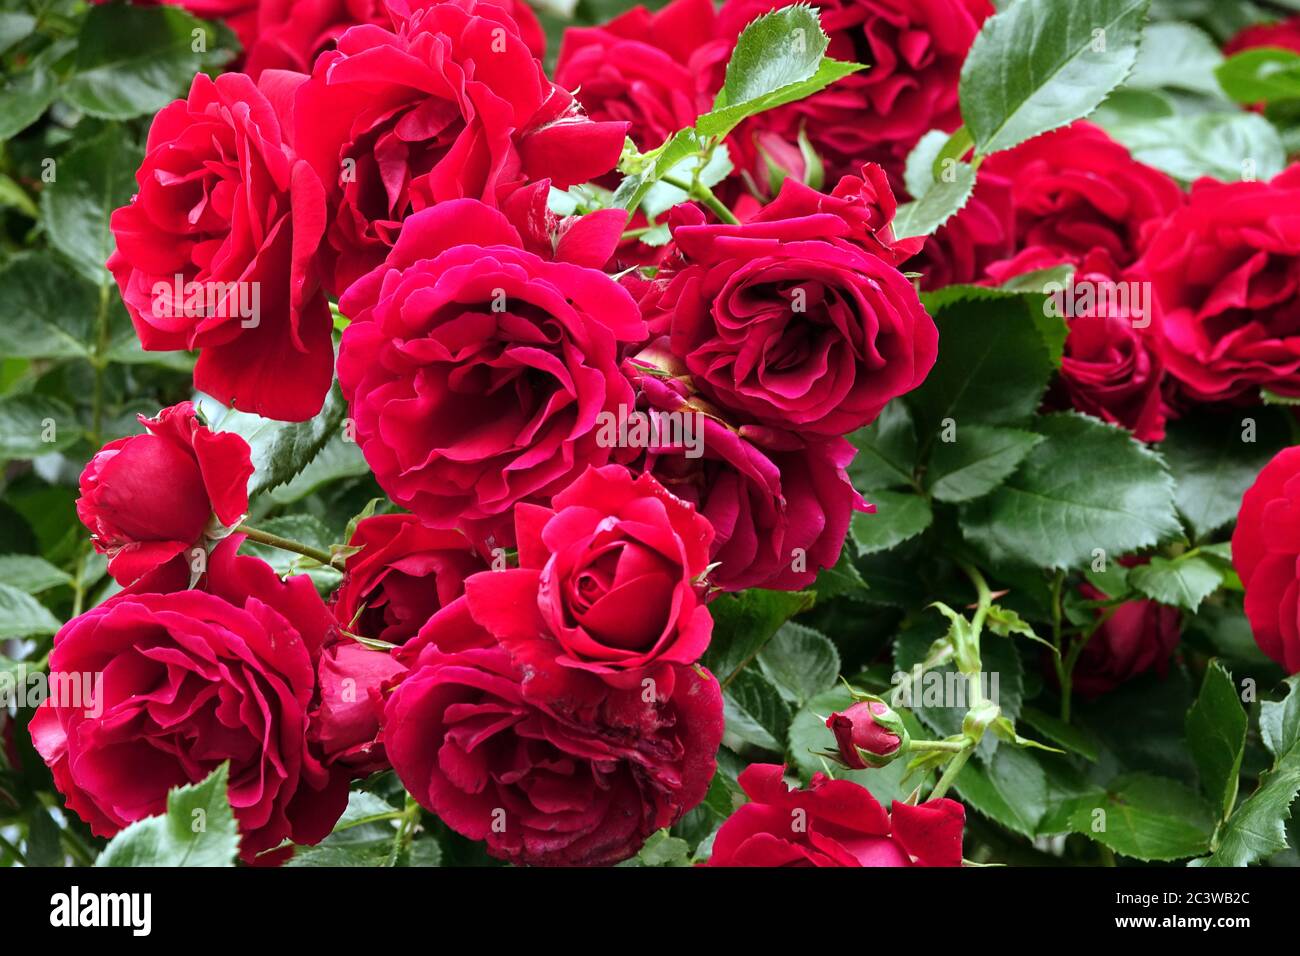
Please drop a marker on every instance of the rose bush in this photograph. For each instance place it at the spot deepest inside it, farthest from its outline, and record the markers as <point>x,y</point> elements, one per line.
<point>741,435</point>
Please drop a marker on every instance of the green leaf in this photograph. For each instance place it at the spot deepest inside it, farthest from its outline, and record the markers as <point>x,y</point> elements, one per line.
<point>777,59</point>
<point>662,849</point>
<point>25,95</point>
<point>918,174</point>
<point>1213,465</point>
<point>887,450</point>
<point>15,27</point>
<point>1176,55</point>
<point>1071,736</point>
<point>899,515</point>
<point>134,60</point>
<point>980,459</point>
<point>21,615</point>
<point>1226,146</point>
<point>1263,75</point>
<point>1088,486</point>
<point>49,311</point>
<point>30,573</point>
<point>993,365</point>
<point>939,203</point>
<point>843,579</point>
<point>339,459</point>
<point>743,623</point>
<point>655,165</point>
<point>799,662</point>
<point>280,450</point>
<point>1146,817</point>
<point>1257,829</point>
<point>92,180</point>
<point>34,425</point>
<point>1182,582</point>
<point>1011,789</point>
<point>755,713</point>
<point>1216,735</point>
<point>1041,64</point>
<point>198,829</point>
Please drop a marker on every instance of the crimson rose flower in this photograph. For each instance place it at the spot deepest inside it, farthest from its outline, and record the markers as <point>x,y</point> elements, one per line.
<point>452,105</point>
<point>834,823</point>
<point>403,573</point>
<point>214,252</point>
<point>1265,552</point>
<point>1226,275</point>
<point>656,71</point>
<point>150,498</point>
<point>1136,637</point>
<point>346,722</point>
<point>191,679</point>
<point>779,505</point>
<point>1284,35</point>
<point>613,572</point>
<point>476,371</point>
<point>914,50</point>
<point>787,320</point>
<point>546,763</point>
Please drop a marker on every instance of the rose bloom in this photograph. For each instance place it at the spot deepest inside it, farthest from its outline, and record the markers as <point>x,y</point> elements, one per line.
<point>476,371</point>
<point>1137,637</point>
<point>192,679</point>
<point>914,50</point>
<point>1284,35</point>
<point>290,34</point>
<point>779,506</point>
<point>451,105</point>
<point>1266,554</point>
<point>792,320</point>
<point>656,71</point>
<point>403,573</point>
<point>613,572</point>
<point>1226,283</point>
<point>214,251</point>
<point>843,825</point>
<point>148,499</point>
<point>548,764</point>
<point>856,730</point>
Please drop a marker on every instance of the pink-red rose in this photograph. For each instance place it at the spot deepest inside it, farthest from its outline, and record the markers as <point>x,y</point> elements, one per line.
<point>612,572</point>
<point>476,370</point>
<point>192,679</point>
<point>547,764</point>
<point>1266,554</point>
<point>148,499</point>
<point>452,105</point>
<point>859,735</point>
<point>833,823</point>
<point>792,320</point>
<point>214,252</point>
<point>1225,271</point>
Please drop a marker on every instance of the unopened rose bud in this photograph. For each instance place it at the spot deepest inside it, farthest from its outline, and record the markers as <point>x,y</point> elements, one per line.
<point>868,734</point>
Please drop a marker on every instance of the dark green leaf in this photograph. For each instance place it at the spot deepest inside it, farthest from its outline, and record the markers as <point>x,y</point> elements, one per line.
<point>33,425</point>
<point>1182,582</point>
<point>755,713</point>
<point>31,573</point>
<point>799,662</point>
<point>887,450</point>
<point>977,461</point>
<point>744,622</point>
<point>49,311</point>
<point>1147,818</point>
<point>899,515</point>
<point>1216,734</point>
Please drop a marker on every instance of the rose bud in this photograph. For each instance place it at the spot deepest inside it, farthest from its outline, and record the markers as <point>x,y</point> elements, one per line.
<point>148,499</point>
<point>868,734</point>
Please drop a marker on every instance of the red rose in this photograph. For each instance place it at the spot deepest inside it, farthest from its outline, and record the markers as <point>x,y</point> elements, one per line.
<point>346,723</point>
<point>476,371</point>
<point>609,544</point>
<point>214,252</point>
<point>787,321</point>
<point>860,736</point>
<point>452,105</point>
<point>1284,35</point>
<point>1136,637</point>
<point>834,823</point>
<point>291,34</point>
<point>656,71</point>
<point>980,234</point>
<point>1265,549</point>
<point>403,573</point>
<point>1226,282</point>
<point>914,50</point>
<point>779,506</point>
<point>548,764</point>
<point>150,498</point>
<point>1079,197</point>
<point>192,679</point>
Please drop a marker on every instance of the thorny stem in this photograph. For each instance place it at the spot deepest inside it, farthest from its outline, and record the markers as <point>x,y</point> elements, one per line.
<point>285,544</point>
<point>698,191</point>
